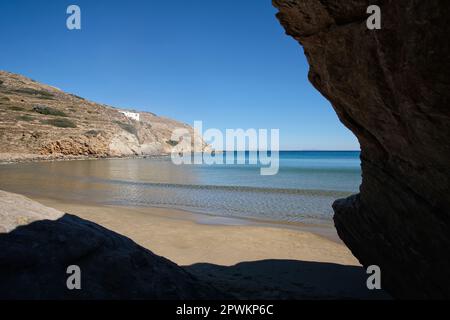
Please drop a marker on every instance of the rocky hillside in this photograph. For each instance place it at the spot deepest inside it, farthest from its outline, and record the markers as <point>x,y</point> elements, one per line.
<point>391,88</point>
<point>40,121</point>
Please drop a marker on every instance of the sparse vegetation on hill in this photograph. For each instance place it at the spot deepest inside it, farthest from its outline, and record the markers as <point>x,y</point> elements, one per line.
<point>127,127</point>
<point>75,96</point>
<point>92,133</point>
<point>40,93</point>
<point>16,108</point>
<point>49,111</point>
<point>25,118</point>
<point>172,143</point>
<point>61,123</point>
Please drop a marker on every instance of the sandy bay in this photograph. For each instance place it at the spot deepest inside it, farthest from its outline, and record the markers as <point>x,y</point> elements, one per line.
<point>188,238</point>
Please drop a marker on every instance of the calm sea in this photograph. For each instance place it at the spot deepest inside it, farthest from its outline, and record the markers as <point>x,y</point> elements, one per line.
<point>302,191</point>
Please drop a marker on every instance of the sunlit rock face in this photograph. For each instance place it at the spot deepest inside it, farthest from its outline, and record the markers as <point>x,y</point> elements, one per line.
<point>391,87</point>
<point>41,122</point>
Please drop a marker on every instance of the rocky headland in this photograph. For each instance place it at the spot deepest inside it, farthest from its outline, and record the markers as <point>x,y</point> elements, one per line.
<point>41,122</point>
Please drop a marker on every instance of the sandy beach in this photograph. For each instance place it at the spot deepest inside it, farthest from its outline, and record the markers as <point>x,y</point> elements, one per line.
<point>188,238</point>
<point>245,259</point>
<point>248,259</point>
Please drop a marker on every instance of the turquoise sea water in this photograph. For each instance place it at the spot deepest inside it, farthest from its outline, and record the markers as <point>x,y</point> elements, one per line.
<point>302,191</point>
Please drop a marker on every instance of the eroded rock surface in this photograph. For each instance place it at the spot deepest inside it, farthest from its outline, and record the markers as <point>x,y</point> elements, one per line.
<point>391,87</point>
<point>38,243</point>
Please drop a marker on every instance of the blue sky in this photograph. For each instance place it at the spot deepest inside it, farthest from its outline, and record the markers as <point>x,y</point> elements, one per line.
<point>227,63</point>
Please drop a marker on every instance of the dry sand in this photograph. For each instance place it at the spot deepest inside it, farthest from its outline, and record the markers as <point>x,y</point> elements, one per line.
<point>250,260</point>
<point>178,236</point>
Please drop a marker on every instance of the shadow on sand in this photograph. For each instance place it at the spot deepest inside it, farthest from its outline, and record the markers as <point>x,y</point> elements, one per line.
<point>288,279</point>
<point>34,259</point>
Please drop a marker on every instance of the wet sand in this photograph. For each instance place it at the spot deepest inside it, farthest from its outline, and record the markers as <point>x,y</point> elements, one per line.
<point>188,238</point>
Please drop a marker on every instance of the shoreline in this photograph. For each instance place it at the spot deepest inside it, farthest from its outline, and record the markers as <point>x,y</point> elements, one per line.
<point>322,227</point>
<point>185,239</point>
<point>168,231</point>
<point>12,158</point>
<point>325,230</point>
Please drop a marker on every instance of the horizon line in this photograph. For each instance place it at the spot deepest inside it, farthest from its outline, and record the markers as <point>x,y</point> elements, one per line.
<point>287,150</point>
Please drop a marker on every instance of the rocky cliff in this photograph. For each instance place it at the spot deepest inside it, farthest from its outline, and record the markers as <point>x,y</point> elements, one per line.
<point>38,121</point>
<point>391,87</point>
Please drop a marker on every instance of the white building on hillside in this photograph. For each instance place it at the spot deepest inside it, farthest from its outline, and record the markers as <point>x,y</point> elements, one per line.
<point>132,115</point>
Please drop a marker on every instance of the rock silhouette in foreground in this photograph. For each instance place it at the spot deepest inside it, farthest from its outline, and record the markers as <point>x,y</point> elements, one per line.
<point>37,244</point>
<point>391,87</point>
<point>42,242</point>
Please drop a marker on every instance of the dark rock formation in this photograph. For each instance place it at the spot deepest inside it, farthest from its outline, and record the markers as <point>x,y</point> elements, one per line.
<point>391,87</point>
<point>34,259</point>
<point>288,280</point>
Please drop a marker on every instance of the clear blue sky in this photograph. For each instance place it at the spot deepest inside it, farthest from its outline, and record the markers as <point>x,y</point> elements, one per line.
<point>227,63</point>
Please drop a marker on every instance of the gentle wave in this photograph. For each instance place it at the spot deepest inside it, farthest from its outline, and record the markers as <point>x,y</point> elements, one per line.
<point>305,192</point>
